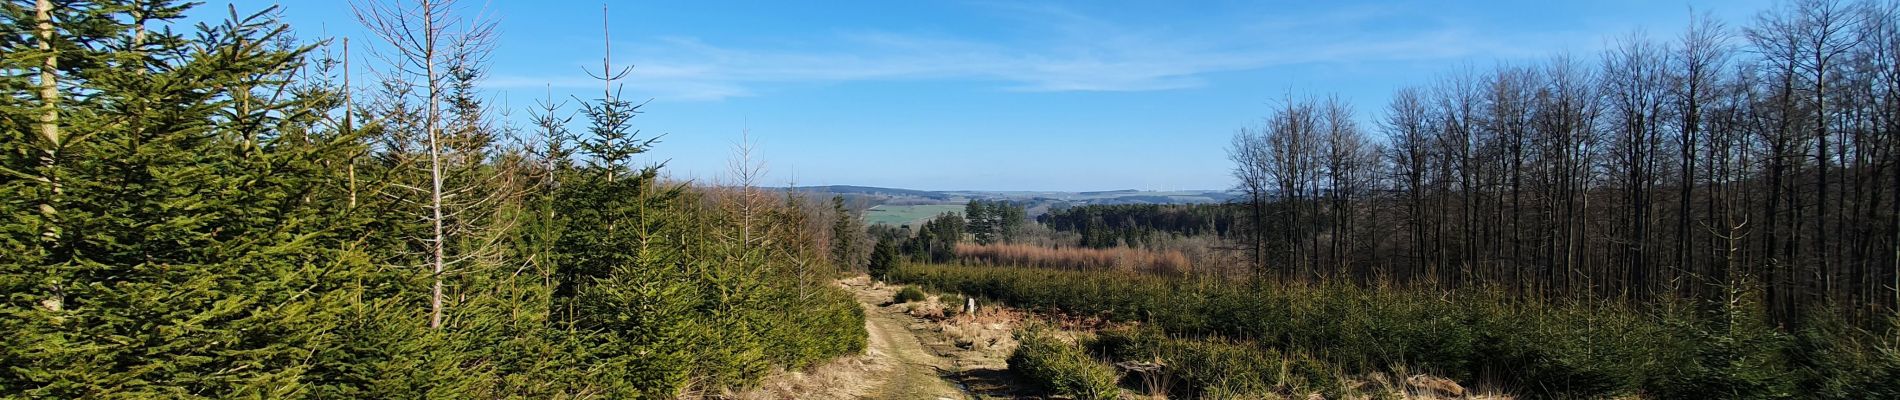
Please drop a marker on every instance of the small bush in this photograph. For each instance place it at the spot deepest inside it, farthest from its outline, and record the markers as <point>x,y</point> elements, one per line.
<point>910,294</point>
<point>1221,369</point>
<point>952,304</point>
<point>1312,375</point>
<point>1840,361</point>
<point>1062,367</point>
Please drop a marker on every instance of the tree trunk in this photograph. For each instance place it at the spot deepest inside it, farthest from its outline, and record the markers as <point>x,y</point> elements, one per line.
<point>349,127</point>
<point>49,131</point>
<point>430,122</point>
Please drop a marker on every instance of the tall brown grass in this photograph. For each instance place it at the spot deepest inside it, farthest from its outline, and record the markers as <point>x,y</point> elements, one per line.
<point>1169,262</point>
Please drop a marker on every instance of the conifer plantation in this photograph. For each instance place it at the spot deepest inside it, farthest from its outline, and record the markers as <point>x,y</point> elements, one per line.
<point>241,208</point>
<point>219,211</point>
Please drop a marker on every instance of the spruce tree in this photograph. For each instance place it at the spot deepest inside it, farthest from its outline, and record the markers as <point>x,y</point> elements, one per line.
<point>616,273</point>
<point>883,258</point>
<point>982,220</point>
<point>846,232</point>
<point>182,245</point>
<point>202,215</point>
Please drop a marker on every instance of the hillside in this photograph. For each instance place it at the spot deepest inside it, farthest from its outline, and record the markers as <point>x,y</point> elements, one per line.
<point>897,207</point>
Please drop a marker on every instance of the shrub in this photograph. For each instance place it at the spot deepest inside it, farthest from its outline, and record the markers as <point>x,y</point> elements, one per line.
<point>952,304</point>
<point>1840,361</point>
<point>1060,366</point>
<point>1221,369</point>
<point>1539,349</point>
<point>909,294</point>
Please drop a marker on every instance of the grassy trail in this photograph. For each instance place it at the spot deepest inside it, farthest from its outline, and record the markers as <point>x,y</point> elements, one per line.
<point>919,374</point>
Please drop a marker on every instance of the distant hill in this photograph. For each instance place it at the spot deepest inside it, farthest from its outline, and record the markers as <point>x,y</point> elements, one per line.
<point>869,196</point>
<point>893,206</point>
<point>873,191</point>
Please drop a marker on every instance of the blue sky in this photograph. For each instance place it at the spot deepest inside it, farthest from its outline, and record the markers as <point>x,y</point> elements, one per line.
<point>1005,95</point>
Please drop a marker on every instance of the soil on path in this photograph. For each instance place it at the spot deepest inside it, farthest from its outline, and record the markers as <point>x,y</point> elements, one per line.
<point>906,357</point>
<point>920,374</point>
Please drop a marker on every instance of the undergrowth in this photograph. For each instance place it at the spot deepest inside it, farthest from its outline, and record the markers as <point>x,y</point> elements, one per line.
<point>1061,366</point>
<point>1675,350</point>
<point>909,294</point>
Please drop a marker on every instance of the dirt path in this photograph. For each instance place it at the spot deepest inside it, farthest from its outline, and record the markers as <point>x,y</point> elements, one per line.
<point>906,357</point>
<point>919,373</point>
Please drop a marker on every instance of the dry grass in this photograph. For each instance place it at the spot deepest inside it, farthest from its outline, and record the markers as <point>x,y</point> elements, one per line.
<point>1376,385</point>
<point>884,366</point>
<point>848,377</point>
<point>1169,262</point>
<point>987,332</point>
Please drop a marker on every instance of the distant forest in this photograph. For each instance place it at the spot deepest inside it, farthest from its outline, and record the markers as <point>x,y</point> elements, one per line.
<point>1761,154</point>
<point>1135,225</point>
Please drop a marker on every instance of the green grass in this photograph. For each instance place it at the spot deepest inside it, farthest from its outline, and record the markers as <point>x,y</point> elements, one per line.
<point>913,215</point>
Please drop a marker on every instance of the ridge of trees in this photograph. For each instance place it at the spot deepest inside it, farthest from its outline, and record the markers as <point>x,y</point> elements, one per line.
<point>1760,156</point>
<point>1133,225</point>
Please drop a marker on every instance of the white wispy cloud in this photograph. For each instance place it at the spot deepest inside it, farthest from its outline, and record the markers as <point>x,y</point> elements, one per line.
<point>1072,52</point>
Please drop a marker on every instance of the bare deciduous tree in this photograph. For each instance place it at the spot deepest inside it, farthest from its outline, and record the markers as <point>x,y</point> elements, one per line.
<point>429,48</point>
<point>1698,168</point>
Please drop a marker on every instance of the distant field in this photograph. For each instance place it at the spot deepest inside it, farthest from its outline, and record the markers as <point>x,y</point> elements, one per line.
<point>1106,197</point>
<point>913,215</point>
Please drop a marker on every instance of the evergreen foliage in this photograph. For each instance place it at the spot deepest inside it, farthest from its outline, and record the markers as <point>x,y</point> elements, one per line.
<point>1060,366</point>
<point>847,237</point>
<point>936,240</point>
<point>909,294</point>
<point>1542,349</point>
<point>883,258</point>
<point>993,221</point>
<point>1213,368</point>
<point>1135,225</point>
<point>176,236</point>
<point>195,220</point>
